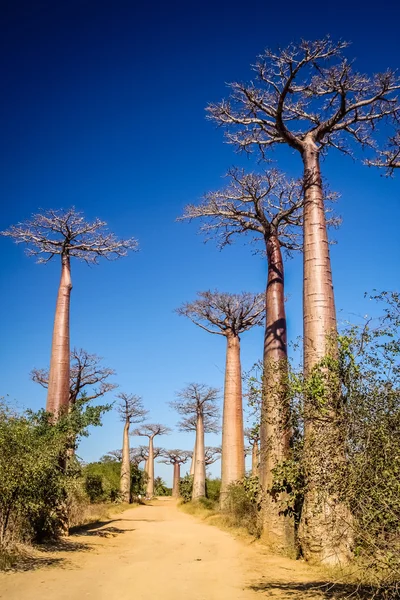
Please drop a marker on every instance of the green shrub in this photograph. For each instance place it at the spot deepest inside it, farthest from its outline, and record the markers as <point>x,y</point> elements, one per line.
<point>213,489</point>
<point>242,505</point>
<point>186,488</point>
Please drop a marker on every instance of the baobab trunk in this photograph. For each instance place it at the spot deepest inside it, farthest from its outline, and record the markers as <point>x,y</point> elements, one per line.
<point>150,470</point>
<point>199,477</point>
<point>177,477</point>
<point>278,530</point>
<point>254,459</point>
<point>59,374</point>
<point>232,459</point>
<point>192,464</point>
<point>125,482</point>
<point>325,531</point>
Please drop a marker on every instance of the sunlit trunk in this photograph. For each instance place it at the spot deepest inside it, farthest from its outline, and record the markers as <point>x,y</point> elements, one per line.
<point>232,458</point>
<point>278,530</point>
<point>177,477</point>
<point>150,470</point>
<point>199,477</point>
<point>192,464</point>
<point>59,375</point>
<point>325,532</point>
<point>254,459</point>
<point>125,482</point>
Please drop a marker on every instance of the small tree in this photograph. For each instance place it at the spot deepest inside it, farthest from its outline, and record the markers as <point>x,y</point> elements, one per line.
<point>131,410</point>
<point>151,431</point>
<point>86,372</point>
<point>229,315</point>
<point>309,97</point>
<point>175,458</point>
<point>65,233</point>
<point>200,401</point>
<point>211,425</point>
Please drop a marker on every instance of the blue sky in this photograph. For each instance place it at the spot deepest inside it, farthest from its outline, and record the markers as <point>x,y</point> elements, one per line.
<point>103,108</point>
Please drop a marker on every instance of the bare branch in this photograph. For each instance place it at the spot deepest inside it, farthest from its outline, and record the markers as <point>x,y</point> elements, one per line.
<point>225,313</point>
<point>87,376</point>
<point>175,457</point>
<point>151,430</point>
<point>197,399</point>
<point>130,408</point>
<point>388,158</point>
<point>212,454</point>
<point>65,232</point>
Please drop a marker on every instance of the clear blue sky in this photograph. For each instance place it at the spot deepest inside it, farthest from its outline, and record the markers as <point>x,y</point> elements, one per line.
<point>103,108</point>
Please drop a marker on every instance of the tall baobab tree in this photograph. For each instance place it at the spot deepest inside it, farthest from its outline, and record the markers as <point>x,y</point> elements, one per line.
<point>199,401</point>
<point>131,410</point>
<point>252,434</point>
<point>87,375</point>
<point>175,458</point>
<point>151,430</point>
<point>229,315</point>
<point>65,233</point>
<point>189,423</point>
<point>309,97</point>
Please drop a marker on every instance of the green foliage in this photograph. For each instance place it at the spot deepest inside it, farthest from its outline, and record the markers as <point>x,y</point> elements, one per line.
<point>160,487</point>
<point>242,505</point>
<point>186,488</point>
<point>102,481</point>
<point>213,489</point>
<point>36,477</point>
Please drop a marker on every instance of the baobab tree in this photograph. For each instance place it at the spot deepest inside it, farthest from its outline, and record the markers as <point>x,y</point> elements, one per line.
<point>87,376</point>
<point>211,424</point>
<point>151,430</point>
<point>229,315</point>
<point>309,97</point>
<point>199,401</point>
<point>212,454</point>
<point>175,458</point>
<point>66,234</point>
<point>131,410</point>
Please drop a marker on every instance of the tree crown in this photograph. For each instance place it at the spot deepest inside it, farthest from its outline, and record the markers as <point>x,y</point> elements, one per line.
<point>197,399</point>
<point>67,233</point>
<point>151,430</point>
<point>173,457</point>
<point>130,408</point>
<point>225,314</point>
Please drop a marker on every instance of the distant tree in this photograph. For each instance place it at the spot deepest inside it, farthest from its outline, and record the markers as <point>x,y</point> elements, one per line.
<point>310,98</point>
<point>175,458</point>
<point>212,454</point>
<point>229,315</point>
<point>86,372</point>
<point>151,431</point>
<point>211,425</point>
<point>131,410</point>
<point>65,233</point>
<point>200,401</point>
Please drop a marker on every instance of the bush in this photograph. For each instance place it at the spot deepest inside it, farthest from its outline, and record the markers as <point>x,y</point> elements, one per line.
<point>102,481</point>
<point>186,488</point>
<point>160,488</point>
<point>213,489</point>
<point>242,505</point>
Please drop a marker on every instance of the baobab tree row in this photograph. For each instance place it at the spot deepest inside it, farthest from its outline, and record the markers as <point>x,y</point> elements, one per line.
<point>310,98</point>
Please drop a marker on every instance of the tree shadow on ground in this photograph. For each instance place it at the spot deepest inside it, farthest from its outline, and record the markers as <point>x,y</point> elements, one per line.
<point>314,590</point>
<point>100,531</point>
<point>62,545</point>
<point>32,563</point>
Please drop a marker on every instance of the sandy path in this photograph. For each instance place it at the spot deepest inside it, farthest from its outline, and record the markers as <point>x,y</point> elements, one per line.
<point>157,552</point>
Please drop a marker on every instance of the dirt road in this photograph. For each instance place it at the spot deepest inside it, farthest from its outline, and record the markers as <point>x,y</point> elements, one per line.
<point>158,553</point>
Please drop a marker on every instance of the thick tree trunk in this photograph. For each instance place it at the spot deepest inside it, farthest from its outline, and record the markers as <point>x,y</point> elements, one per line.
<point>177,477</point>
<point>232,459</point>
<point>278,530</point>
<point>199,477</point>
<point>254,459</point>
<point>192,464</point>
<point>59,375</point>
<point>150,470</point>
<point>325,527</point>
<point>125,482</point>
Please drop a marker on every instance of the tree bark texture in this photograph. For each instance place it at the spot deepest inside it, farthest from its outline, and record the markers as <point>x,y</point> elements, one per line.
<point>232,459</point>
<point>199,477</point>
<point>177,477</point>
<point>59,374</point>
<point>325,527</point>
<point>192,464</point>
<point>278,530</point>
<point>125,482</point>
<point>254,459</point>
<point>150,470</point>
